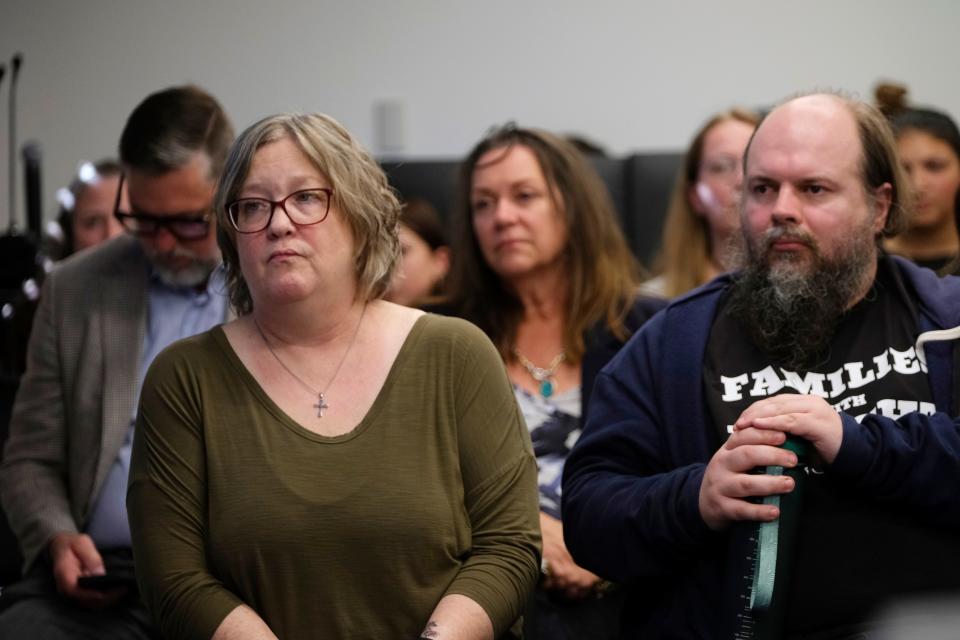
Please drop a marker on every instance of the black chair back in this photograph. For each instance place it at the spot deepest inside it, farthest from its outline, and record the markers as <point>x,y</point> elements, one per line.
<point>639,185</point>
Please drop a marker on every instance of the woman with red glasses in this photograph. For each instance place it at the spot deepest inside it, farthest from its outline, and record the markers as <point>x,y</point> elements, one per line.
<point>329,464</point>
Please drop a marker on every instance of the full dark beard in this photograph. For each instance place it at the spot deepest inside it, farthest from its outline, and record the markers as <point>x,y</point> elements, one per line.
<point>792,310</point>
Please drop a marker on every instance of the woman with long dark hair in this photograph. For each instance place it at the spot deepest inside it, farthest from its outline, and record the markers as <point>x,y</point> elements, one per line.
<point>540,264</point>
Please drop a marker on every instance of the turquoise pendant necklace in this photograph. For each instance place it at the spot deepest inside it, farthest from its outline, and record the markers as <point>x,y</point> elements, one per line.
<point>545,376</point>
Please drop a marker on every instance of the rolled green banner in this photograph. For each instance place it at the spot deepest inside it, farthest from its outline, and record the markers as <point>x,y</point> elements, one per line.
<point>768,538</point>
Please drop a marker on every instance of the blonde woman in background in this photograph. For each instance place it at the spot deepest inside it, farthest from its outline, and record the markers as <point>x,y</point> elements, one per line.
<point>702,218</point>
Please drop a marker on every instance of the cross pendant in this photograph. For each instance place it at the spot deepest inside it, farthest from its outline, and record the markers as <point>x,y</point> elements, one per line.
<point>321,405</point>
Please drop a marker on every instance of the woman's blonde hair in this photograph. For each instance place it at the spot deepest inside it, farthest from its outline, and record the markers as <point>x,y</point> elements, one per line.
<point>360,192</point>
<point>686,249</point>
<point>602,273</point>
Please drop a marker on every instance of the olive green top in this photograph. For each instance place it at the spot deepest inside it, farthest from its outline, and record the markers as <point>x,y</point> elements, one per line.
<point>354,536</point>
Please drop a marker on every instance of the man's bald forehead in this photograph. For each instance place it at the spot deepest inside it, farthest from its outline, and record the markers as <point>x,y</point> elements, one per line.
<point>812,110</point>
<point>814,102</point>
<point>833,124</point>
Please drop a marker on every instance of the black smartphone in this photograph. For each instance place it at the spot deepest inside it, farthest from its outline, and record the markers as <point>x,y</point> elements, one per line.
<point>119,572</point>
<point>108,581</point>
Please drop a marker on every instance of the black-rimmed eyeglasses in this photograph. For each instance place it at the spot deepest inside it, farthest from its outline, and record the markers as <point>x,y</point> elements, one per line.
<point>186,226</point>
<point>303,208</point>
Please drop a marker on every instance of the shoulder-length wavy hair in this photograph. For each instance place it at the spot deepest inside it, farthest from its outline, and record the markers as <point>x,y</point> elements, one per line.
<point>360,192</point>
<point>602,274</point>
<point>686,246</point>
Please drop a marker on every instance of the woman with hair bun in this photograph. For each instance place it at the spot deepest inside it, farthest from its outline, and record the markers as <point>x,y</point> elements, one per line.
<point>928,143</point>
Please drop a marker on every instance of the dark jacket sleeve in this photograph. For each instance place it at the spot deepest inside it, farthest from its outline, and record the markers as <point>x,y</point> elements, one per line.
<point>913,461</point>
<point>629,512</point>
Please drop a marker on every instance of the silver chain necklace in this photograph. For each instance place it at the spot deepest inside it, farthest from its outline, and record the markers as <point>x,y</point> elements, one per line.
<point>545,376</point>
<point>321,404</point>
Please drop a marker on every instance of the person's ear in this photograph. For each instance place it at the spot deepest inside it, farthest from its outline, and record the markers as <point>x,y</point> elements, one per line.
<point>441,261</point>
<point>882,201</point>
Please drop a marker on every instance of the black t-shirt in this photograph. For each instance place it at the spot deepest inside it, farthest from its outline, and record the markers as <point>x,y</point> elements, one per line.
<point>851,553</point>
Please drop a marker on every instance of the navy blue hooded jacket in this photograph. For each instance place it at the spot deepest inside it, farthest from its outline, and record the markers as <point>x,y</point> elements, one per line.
<point>632,483</point>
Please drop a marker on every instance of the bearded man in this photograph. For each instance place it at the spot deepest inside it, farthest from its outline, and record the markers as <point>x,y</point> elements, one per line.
<point>103,316</point>
<point>821,338</point>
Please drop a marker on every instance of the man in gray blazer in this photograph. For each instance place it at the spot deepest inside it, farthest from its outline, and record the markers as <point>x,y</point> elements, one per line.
<point>103,315</point>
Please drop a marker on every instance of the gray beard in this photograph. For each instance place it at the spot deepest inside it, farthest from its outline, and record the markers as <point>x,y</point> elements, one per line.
<point>792,313</point>
<point>193,275</point>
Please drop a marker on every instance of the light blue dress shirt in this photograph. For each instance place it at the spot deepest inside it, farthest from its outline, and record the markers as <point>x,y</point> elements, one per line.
<point>173,313</point>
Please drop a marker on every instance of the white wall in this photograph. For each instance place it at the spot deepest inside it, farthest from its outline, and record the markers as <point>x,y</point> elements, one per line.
<point>631,75</point>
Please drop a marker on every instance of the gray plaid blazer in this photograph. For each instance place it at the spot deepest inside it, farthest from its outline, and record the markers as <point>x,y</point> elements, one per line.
<point>77,396</point>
